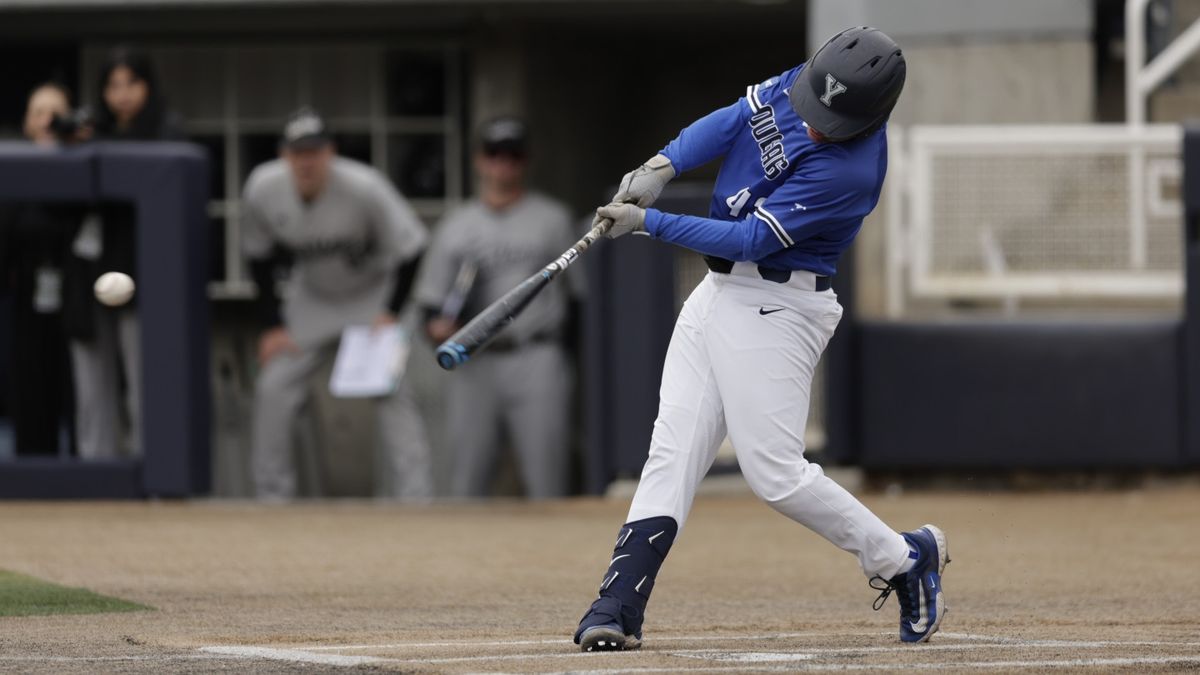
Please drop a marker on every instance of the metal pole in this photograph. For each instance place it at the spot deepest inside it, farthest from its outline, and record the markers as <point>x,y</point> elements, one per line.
<point>1135,119</point>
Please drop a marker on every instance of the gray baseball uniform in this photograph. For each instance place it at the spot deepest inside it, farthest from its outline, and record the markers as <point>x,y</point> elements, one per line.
<point>522,383</point>
<point>345,246</point>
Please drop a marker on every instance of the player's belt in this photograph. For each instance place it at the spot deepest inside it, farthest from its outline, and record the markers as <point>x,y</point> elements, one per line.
<point>802,279</point>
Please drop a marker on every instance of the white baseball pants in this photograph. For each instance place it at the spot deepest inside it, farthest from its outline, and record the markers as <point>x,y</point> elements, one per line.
<point>741,362</point>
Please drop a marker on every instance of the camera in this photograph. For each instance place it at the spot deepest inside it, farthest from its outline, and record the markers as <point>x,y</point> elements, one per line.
<point>66,128</point>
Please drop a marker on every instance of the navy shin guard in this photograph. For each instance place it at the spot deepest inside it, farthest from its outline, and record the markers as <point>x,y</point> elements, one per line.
<point>641,548</point>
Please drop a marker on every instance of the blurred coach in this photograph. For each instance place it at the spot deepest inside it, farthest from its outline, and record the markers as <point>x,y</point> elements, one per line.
<point>351,243</point>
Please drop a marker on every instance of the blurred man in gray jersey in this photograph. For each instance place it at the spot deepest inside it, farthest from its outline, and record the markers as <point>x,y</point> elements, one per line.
<point>351,244</point>
<point>520,388</point>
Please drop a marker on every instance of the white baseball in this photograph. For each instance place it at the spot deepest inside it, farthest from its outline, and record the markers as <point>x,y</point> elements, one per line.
<point>114,288</point>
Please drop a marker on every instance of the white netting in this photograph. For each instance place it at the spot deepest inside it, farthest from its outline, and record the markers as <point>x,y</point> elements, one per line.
<point>1036,212</point>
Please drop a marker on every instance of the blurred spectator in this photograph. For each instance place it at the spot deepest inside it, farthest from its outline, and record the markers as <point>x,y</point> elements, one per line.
<point>33,246</point>
<point>352,244</point>
<point>103,339</point>
<point>522,382</point>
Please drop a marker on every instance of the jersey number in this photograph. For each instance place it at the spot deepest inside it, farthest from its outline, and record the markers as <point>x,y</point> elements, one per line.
<point>738,202</point>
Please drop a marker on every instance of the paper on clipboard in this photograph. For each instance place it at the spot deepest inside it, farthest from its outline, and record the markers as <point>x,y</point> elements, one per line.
<point>370,362</point>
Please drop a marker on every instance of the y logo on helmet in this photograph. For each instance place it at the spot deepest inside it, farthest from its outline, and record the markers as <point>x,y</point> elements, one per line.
<point>832,88</point>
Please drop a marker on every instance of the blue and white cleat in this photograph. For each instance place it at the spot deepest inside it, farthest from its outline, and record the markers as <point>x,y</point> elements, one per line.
<point>919,590</point>
<point>607,638</point>
<point>601,629</point>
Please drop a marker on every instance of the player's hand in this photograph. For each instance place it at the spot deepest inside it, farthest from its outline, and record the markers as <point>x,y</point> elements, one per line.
<point>643,185</point>
<point>626,218</point>
<point>384,320</point>
<point>440,328</point>
<point>273,343</point>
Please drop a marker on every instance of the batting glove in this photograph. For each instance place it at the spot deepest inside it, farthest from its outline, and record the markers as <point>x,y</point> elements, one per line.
<point>626,218</point>
<point>643,185</point>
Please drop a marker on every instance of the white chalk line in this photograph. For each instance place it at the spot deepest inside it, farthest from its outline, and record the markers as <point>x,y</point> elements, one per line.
<point>294,656</point>
<point>655,639</point>
<point>73,659</point>
<point>833,651</point>
<point>800,653</point>
<point>981,643</point>
<point>564,641</point>
<point>976,665</point>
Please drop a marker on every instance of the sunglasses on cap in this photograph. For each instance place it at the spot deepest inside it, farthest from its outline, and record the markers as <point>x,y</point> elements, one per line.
<point>509,150</point>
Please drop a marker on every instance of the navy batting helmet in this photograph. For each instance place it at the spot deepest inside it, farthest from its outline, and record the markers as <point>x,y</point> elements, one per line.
<point>849,87</point>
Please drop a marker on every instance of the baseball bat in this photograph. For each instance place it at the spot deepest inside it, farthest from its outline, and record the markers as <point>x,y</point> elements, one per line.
<point>474,336</point>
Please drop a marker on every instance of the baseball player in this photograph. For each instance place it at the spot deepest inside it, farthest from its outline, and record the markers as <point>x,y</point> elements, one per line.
<point>522,384</point>
<point>804,161</point>
<point>352,244</point>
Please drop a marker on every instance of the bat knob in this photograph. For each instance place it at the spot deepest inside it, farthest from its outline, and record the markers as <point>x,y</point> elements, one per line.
<point>451,355</point>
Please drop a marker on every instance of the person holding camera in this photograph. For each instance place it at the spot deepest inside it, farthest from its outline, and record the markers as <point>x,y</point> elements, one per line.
<point>130,107</point>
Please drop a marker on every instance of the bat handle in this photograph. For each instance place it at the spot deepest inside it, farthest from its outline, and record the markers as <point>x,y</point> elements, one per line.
<point>451,355</point>
<point>602,227</point>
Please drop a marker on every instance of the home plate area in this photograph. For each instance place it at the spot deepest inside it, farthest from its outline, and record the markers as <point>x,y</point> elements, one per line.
<point>747,653</point>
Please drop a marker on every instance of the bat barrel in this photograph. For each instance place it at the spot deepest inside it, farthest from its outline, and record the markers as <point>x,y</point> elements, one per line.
<point>456,350</point>
<point>451,355</point>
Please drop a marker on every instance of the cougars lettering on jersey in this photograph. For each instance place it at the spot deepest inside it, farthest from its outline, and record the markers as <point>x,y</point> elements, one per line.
<point>770,141</point>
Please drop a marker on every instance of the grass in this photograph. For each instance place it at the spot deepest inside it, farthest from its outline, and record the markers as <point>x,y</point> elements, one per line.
<point>22,595</point>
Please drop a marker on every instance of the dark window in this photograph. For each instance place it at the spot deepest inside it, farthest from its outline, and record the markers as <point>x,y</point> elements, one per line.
<point>256,149</point>
<point>354,146</point>
<point>215,145</point>
<point>416,84</point>
<point>417,164</point>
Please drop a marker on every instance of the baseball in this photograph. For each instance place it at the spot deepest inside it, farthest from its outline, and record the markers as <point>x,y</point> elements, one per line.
<point>114,288</point>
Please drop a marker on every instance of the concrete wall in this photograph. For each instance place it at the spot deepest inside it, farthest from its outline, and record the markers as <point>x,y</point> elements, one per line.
<point>1178,99</point>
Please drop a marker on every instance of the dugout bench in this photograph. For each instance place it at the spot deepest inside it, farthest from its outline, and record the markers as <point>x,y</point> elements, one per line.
<point>168,183</point>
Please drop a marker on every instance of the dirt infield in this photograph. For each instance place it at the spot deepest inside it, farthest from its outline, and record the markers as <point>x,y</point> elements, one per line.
<point>1091,581</point>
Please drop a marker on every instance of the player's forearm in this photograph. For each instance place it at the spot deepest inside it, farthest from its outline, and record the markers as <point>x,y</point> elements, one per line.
<point>262,270</point>
<point>406,274</point>
<point>705,139</point>
<point>730,239</point>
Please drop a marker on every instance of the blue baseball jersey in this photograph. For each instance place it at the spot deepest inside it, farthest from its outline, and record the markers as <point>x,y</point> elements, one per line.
<point>781,199</point>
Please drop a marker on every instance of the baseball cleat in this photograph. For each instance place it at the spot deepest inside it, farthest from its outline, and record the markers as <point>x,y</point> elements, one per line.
<point>607,638</point>
<point>601,629</point>
<point>919,590</point>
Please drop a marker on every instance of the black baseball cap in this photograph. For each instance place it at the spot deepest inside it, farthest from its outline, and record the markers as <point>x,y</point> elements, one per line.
<point>305,130</point>
<point>504,135</point>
